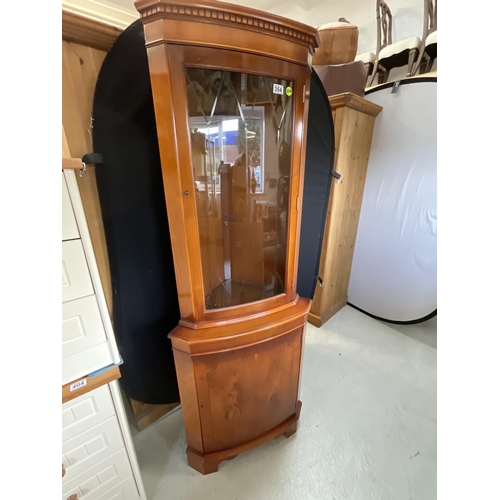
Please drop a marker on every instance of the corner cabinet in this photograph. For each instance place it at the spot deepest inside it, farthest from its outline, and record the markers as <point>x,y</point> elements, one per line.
<point>230,88</point>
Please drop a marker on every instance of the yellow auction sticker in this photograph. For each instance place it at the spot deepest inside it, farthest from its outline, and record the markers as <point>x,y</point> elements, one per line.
<point>289,91</point>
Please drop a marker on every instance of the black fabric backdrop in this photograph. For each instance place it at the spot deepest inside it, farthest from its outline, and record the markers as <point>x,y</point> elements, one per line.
<point>320,151</point>
<point>130,186</point>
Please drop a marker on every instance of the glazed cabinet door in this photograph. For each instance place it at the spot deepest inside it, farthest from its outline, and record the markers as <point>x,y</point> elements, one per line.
<point>239,146</point>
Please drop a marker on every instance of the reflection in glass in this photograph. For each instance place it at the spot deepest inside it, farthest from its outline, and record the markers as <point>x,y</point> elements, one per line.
<point>241,130</point>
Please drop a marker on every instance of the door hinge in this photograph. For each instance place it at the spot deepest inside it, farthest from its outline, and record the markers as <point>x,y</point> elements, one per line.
<point>304,93</point>
<point>297,203</point>
<point>293,285</point>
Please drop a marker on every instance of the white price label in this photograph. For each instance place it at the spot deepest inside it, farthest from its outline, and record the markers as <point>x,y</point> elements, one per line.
<point>78,385</point>
<point>278,89</point>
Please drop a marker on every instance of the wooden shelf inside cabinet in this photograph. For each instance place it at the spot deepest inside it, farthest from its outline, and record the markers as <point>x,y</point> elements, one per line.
<point>354,119</point>
<point>238,346</point>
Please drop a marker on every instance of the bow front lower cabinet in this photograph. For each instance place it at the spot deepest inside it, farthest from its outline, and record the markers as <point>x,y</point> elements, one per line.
<point>230,88</point>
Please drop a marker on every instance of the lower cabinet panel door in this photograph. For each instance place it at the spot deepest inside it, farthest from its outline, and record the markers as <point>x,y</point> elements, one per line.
<point>86,411</point>
<point>91,447</point>
<point>97,481</point>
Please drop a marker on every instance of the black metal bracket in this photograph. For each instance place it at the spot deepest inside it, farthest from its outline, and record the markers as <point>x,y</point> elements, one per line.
<point>92,158</point>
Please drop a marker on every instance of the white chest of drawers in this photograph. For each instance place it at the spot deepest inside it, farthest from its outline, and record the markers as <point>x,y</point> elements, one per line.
<point>88,342</point>
<point>97,449</point>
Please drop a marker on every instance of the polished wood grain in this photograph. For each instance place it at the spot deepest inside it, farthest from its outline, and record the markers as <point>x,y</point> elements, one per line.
<point>209,462</point>
<point>241,332</point>
<point>354,119</point>
<point>240,390</point>
<point>90,384</point>
<point>266,379</point>
<point>235,25</point>
<point>238,367</point>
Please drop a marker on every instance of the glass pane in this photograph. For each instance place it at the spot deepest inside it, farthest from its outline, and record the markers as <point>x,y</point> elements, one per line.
<point>241,134</point>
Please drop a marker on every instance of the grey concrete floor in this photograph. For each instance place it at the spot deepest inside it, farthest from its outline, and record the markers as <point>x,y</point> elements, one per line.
<point>367,428</point>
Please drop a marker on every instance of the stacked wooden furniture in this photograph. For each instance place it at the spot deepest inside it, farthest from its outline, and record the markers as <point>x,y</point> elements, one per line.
<point>335,63</point>
<point>98,455</point>
<point>354,119</point>
<point>428,49</point>
<point>391,55</point>
<point>238,347</point>
<point>339,43</point>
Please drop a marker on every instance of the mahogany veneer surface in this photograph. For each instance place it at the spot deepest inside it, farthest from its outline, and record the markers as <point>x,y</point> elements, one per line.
<point>238,367</point>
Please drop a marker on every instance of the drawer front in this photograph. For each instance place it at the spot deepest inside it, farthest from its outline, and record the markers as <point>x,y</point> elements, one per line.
<point>76,281</point>
<point>86,411</point>
<point>91,447</point>
<point>69,225</point>
<point>127,490</point>
<point>97,481</point>
<point>82,326</point>
<point>81,364</point>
